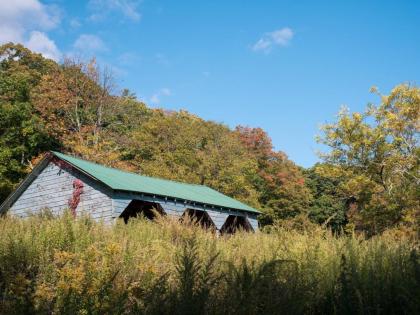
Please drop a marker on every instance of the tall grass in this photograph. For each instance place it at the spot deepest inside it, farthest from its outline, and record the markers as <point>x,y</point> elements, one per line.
<point>67,266</point>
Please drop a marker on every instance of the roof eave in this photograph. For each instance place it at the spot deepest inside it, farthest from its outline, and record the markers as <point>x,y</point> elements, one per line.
<point>133,191</point>
<point>189,201</point>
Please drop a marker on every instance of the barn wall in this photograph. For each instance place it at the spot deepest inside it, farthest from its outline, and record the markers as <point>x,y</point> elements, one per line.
<point>53,189</point>
<point>177,208</point>
<point>252,218</point>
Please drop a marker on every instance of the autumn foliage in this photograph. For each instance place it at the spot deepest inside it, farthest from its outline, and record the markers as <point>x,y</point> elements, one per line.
<point>368,180</point>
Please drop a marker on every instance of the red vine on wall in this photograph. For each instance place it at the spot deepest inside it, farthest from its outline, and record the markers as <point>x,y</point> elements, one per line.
<point>78,185</point>
<point>75,199</point>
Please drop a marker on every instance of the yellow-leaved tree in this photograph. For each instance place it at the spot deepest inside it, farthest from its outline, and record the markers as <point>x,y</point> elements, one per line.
<point>376,155</point>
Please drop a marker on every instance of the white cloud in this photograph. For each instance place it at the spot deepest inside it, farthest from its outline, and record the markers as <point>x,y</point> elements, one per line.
<point>28,13</point>
<point>75,23</point>
<point>165,91</point>
<point>262,44</point>
<point>283,36</point>
<point>40,43</point>
<point>280,37</point>
<point>156,97</point>
<point>9,33</point>
<point>26,21</point>
<point>88,43</point>
<point>102,8</point>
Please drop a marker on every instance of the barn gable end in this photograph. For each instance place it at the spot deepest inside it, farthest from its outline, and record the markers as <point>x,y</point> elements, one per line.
<point>53,188</point>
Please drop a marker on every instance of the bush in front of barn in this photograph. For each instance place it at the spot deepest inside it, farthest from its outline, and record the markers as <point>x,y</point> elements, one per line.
<point>66,266</point>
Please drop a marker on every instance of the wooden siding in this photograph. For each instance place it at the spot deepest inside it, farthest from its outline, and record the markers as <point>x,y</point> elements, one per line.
<point>53,188</point>
<point>177,208</point>
<point>252,219</point>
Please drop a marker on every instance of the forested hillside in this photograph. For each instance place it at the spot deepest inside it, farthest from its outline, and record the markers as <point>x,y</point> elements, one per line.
<point>369,180</point>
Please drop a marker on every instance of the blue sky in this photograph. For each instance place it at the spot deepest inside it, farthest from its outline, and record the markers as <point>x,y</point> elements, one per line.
<point>284,66</point>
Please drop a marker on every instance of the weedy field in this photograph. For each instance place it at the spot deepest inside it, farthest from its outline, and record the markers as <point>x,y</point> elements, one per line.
<point>66,266</point>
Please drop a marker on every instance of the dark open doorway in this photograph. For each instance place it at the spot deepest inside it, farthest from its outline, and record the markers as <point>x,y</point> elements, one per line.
<point>137,208</point>
<point>198,217</point>
<point>235,223</point>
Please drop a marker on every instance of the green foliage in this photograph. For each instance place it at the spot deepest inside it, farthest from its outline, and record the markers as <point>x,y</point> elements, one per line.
<point>66,266</point>
<point>20,71</point>
<point>22,136</point>
<point>327,206</point>
<point>22,133</point>
<point>376,156</point>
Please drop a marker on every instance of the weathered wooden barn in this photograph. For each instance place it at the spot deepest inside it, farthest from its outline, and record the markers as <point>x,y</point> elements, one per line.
<point>62,182</point>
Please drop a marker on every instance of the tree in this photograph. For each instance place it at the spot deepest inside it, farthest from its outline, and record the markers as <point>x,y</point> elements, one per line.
<point>74,100</point>
<point>20,71</point>
<point>22,133</point>
<point>181,146</point>
<point>281,184</point>
<point>327,206</point>
<point>376,155</point>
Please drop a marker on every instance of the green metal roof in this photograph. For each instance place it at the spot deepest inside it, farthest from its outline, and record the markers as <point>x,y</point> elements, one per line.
<point>120,180</point>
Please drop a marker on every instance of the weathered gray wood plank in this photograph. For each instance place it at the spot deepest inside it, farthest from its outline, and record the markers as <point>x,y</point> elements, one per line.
<point>53,189</point>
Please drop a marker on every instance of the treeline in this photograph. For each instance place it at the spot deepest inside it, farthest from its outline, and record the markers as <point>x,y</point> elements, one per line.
<point>369,181</point>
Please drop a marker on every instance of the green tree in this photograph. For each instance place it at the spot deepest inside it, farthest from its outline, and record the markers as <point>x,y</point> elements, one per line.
<point>22,133</point>
<point>376,155</point>
<point>20,71</point>
<point>327,207</point>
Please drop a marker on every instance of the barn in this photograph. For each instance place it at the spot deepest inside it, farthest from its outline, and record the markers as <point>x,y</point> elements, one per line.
<point>60,182</point>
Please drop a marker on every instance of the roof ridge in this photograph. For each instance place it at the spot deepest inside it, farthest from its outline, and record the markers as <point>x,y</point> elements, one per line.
<point>118,179</point>
<point>127,172</point>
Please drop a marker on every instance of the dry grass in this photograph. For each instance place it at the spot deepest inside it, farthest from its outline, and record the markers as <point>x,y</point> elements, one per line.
<point>63,266</point>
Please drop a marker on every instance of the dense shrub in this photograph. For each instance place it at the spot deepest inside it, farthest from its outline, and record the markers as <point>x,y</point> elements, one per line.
<point>66,266</point>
